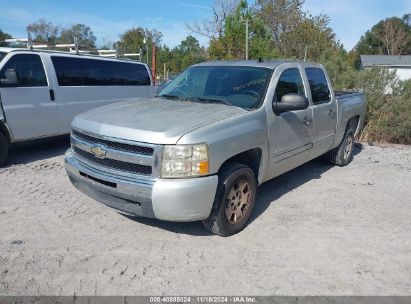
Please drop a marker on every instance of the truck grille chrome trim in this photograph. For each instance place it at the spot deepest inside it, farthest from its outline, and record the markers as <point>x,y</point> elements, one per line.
<point>114,164</point>
<point>115,145</point>
<point>107,154</point>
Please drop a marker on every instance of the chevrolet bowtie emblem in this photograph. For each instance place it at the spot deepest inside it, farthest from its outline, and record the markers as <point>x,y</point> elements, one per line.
<point>98,152</point>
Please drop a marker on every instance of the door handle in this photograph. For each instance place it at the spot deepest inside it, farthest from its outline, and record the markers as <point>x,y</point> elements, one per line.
<point>331,113</point>
<point>307,121</point>
<point>52,97</point>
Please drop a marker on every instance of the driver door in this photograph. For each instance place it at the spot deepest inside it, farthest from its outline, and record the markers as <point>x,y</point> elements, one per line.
<point>29,105</point>
<point>290,133</point>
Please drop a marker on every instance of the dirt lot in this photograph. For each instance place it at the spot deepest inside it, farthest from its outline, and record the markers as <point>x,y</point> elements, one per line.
<point>316,230</point>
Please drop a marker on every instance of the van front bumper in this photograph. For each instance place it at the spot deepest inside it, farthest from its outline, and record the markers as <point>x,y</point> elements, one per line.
<point>182,200</point>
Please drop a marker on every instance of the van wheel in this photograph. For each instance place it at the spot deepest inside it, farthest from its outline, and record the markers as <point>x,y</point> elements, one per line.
<point>4,148</point>
<point>342,155</point>
<point>234,200</point>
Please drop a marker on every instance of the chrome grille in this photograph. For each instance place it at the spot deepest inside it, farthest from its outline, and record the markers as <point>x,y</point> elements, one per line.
<point>114,145</point>
<point>114,164</point>
<point>117,157</point>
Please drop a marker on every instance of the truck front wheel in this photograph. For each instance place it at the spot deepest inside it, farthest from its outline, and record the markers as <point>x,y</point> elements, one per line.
<point>234,200</point>
<point>342,155</point>
<point>4,148</point>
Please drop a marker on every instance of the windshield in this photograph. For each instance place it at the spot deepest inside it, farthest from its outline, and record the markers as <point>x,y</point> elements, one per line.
<point>240,86</point>
<point>2,55</point>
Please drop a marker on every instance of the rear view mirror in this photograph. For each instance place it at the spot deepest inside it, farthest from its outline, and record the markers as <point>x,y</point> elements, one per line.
<point>290,102</point>
<point>11,77</point>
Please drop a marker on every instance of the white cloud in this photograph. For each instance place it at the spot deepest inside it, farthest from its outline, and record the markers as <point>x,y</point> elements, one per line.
<point>194,5</point>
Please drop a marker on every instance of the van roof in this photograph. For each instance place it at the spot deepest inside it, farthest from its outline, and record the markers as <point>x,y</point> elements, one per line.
<point>9,50</point>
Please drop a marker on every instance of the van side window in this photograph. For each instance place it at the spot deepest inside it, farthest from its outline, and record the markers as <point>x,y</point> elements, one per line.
<point>29,69</point>
<point>290,81</point>
<point>320,91</point>
<point>94,72</point>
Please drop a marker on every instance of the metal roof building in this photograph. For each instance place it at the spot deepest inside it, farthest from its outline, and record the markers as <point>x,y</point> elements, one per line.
<point>400,63</point>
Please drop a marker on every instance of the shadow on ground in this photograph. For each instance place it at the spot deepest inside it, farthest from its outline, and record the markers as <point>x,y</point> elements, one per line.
<point>25,153</point>
<point>267,194</point>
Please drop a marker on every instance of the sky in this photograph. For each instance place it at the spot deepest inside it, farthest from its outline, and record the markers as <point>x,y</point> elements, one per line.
<point>108,19</point>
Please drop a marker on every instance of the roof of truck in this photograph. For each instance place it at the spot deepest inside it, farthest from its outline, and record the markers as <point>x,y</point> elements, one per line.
<point>271,64</point>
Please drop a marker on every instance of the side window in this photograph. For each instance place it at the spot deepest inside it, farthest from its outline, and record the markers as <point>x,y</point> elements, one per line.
<point>94,72</point>
<point>290,81</point>
<point>29,70</point>
<point>320,91</point>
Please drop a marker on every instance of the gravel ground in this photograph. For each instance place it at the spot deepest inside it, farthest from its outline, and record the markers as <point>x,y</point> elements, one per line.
<point>317,230</point>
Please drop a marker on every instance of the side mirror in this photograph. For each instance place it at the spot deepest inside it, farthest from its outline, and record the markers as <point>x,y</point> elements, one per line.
<point>290,102</point>
<point>11,77</point>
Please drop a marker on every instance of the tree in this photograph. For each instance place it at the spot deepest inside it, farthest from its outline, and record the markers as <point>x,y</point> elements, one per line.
<point>3,36</point>
<point>391,36</point>
<point>231,45</point>
<point>280,16</point>
<point>132,40</point>
<point>43,31</point>
<point>191,52</point>
<point>214,27</point>
<point>407,19</point>
<point>84,34</point>
<point>369,44</point>
<point>310,34</point>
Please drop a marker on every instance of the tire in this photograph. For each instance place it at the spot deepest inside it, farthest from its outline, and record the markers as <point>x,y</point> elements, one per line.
<point>234,200</point>
<point>342,155</point>
<point>4,148</point>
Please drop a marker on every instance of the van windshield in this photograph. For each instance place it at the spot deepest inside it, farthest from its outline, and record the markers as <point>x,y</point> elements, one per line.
<point>240,86</point>
<point>2,55</point>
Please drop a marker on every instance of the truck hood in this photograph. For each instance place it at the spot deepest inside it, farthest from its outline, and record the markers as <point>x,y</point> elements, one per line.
<point>152,120</point>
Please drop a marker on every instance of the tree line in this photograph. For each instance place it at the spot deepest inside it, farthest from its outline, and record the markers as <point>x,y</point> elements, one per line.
<point>277,29</point>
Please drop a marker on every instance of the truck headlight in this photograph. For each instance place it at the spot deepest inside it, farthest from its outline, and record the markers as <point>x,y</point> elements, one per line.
<point>180,161</point>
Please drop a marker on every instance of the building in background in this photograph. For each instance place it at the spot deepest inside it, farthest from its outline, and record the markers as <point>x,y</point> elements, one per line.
<point>401,64</point>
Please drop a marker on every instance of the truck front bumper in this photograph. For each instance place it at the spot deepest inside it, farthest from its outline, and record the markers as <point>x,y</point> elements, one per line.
<point>182,200</point>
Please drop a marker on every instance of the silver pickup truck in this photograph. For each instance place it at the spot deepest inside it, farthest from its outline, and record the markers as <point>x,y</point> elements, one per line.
<point>200,148</point>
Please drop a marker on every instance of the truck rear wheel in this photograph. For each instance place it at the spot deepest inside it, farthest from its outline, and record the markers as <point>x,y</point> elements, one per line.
<point>342,155</point>
<point>234,200</point>
<point>4,148</point>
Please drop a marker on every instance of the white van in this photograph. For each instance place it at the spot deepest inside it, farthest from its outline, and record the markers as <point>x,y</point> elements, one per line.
<point>41,91</point>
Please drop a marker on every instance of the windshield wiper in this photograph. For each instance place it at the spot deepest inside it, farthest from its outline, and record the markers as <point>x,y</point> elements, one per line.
<point>211,100</point>
<point>170,96</point>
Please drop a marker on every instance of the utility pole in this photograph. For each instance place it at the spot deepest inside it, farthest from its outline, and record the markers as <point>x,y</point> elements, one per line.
<point>153,63</point>
<point>305,53</point>
<point>146,44</point>
<point>246,39</point>
<point>242,19</point>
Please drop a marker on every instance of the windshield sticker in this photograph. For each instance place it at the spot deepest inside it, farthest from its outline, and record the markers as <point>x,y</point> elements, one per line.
<point>249,84</point>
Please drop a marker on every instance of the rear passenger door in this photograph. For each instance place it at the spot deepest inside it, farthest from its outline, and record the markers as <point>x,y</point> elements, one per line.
<point>86,83</point>
<point>324,110</point>
<point>30,109</point>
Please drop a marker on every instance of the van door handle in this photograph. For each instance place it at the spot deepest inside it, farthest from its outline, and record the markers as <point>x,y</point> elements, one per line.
<point>52,95</point>
<point>331,113</point>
